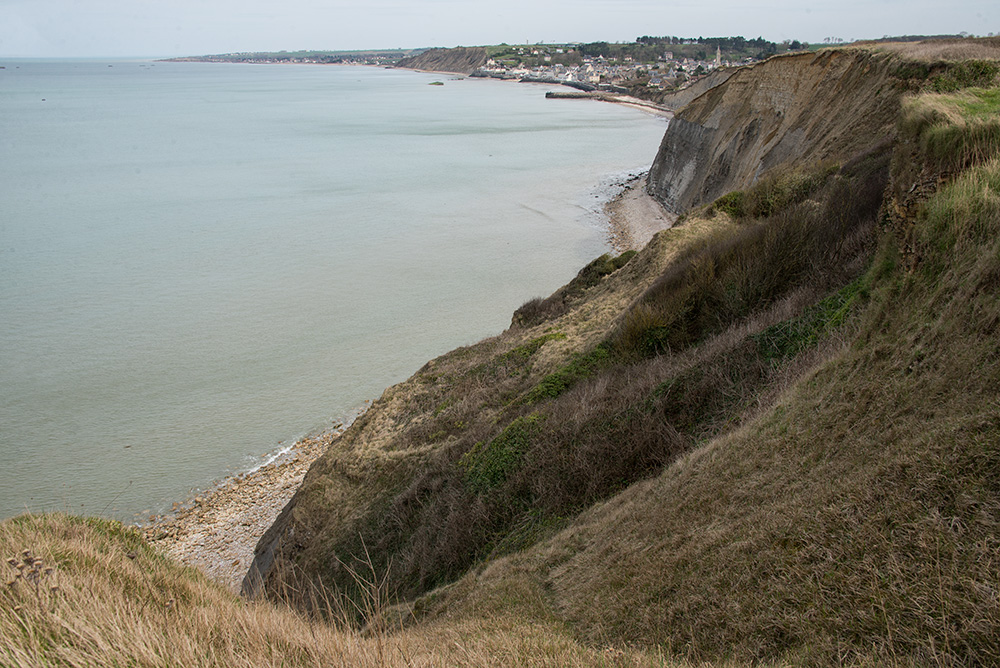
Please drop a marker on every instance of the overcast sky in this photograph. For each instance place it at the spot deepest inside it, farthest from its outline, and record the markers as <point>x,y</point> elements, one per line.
<point>94,28</point>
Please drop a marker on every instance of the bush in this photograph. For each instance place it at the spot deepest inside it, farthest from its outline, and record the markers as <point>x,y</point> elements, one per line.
<point>488,465</point>
<point>777,190</point>
<point>745,270</point>
<point>538,310</point>
<point>966,74</point>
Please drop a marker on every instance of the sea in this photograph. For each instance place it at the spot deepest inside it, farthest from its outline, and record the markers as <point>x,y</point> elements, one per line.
<point>202,262</point>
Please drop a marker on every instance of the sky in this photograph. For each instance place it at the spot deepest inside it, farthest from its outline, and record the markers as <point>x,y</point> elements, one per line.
<point>162,28</point>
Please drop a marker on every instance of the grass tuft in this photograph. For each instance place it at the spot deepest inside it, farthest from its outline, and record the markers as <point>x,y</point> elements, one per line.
<point>488,465</point>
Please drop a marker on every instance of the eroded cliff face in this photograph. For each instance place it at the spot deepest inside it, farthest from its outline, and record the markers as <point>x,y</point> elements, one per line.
<point>795,109</point>
<point>459,60</point>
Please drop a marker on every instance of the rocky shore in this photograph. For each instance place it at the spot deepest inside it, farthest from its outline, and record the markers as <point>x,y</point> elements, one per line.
<point>634,216</point>
<point>217,530</point>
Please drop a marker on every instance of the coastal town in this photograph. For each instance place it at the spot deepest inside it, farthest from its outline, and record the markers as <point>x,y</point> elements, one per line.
<point>606,74</point>
<point>646,68</point>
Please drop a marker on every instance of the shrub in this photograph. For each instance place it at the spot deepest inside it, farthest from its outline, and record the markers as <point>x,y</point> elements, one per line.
<point>777,190</point>
<point>487,465</point>
<point>538,310</point>
<point>966,74</point>
<point>745,270</point>
<point>731,204</point>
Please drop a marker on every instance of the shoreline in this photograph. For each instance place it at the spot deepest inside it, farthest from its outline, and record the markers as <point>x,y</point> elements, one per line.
<point>634,216</point>
<point>614,98</point>
<point>217,531</point>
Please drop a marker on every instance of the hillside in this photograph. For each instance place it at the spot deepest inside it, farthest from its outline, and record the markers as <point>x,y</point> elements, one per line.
<point>458,60</point>
<point>770,436</point>
<point>497,447</point>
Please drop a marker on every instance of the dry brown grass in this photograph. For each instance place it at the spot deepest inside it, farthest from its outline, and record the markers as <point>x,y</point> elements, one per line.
<point>982,48</point>
<point>374,477</point>
<point>855,523</point>
<point>846,514</point>
<point>493,459</point>
<point>104,598</point>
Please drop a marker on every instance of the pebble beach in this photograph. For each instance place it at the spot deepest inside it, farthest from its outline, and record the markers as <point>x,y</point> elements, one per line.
<point>634,216</point>
<point>217,530</point>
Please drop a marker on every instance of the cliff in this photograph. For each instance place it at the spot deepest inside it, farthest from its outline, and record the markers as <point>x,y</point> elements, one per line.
<point>459,60</point>
<point>770,437</point>
<point>792,109</point>
<point>730,385</point>
<point>677,99</point>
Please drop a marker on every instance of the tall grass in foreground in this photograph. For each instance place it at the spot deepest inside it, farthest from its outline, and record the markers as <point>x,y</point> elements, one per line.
<point>100,596</point>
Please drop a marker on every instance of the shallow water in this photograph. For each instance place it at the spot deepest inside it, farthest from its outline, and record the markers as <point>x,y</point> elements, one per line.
<point>199,262</point>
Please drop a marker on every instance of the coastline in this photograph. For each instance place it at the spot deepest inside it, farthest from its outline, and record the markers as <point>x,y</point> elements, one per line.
<point>217,531</point>
<point>634,216</point>
<point>614,98</point>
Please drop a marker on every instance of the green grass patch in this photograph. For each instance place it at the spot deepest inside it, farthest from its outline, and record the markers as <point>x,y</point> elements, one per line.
<point>965,212</point>
<point>582,366</point>
<point>790,337</point>
<point>488,465</point>
<point>956,130</point>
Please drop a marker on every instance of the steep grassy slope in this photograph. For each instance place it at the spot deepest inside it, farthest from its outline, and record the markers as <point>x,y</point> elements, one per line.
<point>856,520</point>
<point>490,448</point>
<point>369,485</point>
<point>499,446</point>
<point>92,593</point>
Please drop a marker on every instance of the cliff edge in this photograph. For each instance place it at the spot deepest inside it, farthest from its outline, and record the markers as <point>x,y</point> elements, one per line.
<point>458,60</point>
<point>790,109</point>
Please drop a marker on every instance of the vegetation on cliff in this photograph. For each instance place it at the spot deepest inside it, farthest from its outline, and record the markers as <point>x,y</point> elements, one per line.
<point>796,275</point>
<point>771,436</point>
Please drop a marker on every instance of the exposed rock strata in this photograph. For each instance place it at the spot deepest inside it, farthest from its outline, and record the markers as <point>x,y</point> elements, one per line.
<point>459,60</point>
<point>799,108</point>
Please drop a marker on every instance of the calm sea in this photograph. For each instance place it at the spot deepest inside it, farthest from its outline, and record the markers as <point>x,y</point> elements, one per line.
<point>200,262</point>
